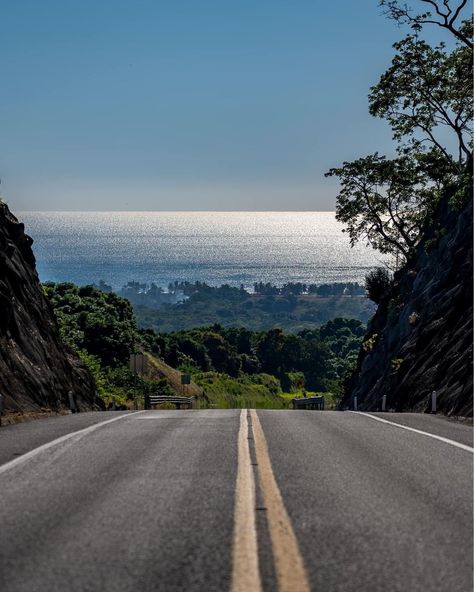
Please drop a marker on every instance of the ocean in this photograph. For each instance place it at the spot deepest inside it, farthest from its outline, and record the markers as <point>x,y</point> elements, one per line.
<point>214,247</point>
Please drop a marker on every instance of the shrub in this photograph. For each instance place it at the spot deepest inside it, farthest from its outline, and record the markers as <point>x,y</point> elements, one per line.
<point>377,284</point>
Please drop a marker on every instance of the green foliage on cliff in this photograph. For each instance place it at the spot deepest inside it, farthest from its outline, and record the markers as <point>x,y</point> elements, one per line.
<point>418,206</point>
<point>101,328</point>
<point>377,283</point>
<point>100,323</point>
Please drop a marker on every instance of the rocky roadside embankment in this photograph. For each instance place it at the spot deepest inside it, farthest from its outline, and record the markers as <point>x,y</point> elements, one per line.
<point>36,369</point>
<point>420,338</point>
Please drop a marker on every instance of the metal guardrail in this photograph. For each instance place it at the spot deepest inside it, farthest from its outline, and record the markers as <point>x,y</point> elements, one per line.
<point>152,400</point>
<point>309,403</point>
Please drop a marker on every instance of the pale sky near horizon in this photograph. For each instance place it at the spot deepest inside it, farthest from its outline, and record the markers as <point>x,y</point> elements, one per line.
<point>186,105</point>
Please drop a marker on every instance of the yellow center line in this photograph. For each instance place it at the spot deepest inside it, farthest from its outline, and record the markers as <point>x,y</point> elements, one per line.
<point>289,567</point>
<point>245,571</point>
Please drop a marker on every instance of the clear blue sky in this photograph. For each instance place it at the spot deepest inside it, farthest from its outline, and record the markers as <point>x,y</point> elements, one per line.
<point>186,105</point>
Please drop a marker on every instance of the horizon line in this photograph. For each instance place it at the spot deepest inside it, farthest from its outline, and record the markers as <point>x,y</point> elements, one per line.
<point>178,211</point>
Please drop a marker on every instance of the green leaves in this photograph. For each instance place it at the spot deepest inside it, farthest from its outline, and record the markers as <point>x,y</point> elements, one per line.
<point>378,283</point>
<point>426,97</point>
<point>100,323</point>
<point>425,92</point>
<point>385,202</point>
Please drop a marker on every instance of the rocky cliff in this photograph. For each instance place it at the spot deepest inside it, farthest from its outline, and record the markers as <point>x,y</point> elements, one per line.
<point>420,338</point>
<point>36,369</point>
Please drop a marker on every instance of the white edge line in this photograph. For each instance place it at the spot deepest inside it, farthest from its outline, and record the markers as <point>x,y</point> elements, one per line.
<point>404,427</point>
<point>32,453</point>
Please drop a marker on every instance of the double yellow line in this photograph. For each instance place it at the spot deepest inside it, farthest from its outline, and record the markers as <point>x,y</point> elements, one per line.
<point>289,567</point>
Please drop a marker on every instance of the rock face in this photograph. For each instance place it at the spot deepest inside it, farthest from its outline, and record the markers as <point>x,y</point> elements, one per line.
<point>36,369</point>
<point>420,338</point>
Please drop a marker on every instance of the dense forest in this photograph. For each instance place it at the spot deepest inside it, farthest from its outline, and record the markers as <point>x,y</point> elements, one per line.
<point>292,307</point>
<point>231,364</point>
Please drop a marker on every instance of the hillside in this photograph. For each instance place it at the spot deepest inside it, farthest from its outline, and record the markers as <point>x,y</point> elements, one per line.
<point>36,369</point>
<point>420,339</point>
<point>158,369</point>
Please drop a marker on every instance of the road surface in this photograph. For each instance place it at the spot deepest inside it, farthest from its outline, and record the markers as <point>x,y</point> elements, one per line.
<point>238,501</point>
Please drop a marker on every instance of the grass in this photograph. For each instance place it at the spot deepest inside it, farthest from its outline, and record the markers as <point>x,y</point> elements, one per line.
<point>330,400</point>
<point>260,391</point>
<point>214,390</point>
<point>221,391</point>
<point>158,369</point>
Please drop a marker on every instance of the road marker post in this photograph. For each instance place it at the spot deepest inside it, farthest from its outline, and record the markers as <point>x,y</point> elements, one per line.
<point>355,403</point>
<point>384,403</point>
<point>433,402</point>
<point>146,401</point>
<point>72,403</point>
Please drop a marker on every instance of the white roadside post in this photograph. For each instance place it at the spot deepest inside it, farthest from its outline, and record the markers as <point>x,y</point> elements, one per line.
<point>433,402</point>
<point>384,403</point>
<point>355,403</point>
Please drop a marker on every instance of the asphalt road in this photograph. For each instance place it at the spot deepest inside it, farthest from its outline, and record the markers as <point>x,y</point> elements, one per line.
<point>326,501</point>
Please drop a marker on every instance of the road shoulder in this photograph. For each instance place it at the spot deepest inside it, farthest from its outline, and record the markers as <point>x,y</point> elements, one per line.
<point>433,424</point>
<point>20,438</point>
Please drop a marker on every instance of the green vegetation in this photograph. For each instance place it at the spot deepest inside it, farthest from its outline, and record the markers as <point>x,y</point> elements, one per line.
<point>377,284</point>
<point>101,328</point>
<point>234,367</point>
<point>398,205</point>
<point>287,308</point>
<point>426,98</point>
<point>100,323</point>
<point>222,391</point>
<point>396,363</point>
<point>368,344</point>
<point>316,359</point>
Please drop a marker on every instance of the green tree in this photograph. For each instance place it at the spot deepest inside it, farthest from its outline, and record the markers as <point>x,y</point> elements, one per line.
<point>384,202</point>
<point>100,323</point>
<point>425,92</point>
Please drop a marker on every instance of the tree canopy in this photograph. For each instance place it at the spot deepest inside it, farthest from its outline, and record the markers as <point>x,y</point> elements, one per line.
<point>426,98</point>
<point>446,14</point>
<point>384,201</point>
<point>426,92</point>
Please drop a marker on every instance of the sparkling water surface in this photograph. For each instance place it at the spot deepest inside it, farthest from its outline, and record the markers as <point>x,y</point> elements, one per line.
<point>214,247</point>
